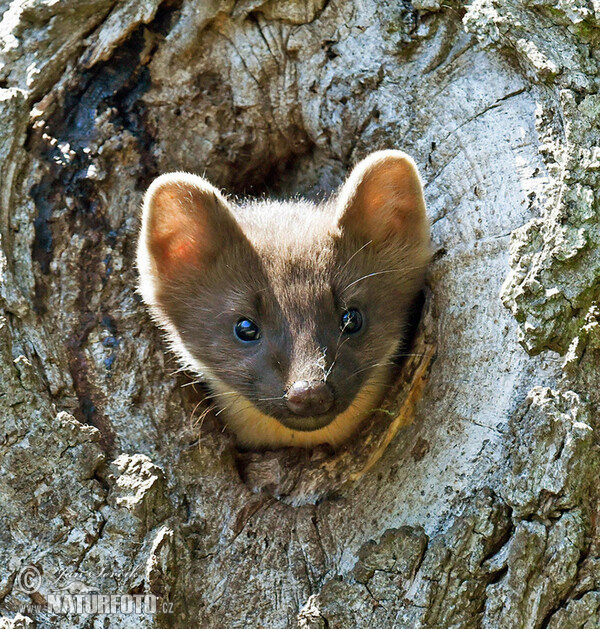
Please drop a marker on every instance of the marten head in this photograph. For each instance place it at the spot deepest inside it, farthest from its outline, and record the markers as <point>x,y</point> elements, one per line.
<point>291,312</point>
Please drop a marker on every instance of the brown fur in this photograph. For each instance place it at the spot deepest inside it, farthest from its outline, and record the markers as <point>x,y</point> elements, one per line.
<point>293,268</point>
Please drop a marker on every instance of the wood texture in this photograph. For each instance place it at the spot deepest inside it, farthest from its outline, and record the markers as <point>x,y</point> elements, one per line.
<point>472,499</point>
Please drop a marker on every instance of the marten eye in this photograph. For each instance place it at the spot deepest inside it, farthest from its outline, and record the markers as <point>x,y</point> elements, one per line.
<point>247,331</point>
<point>351,321</point>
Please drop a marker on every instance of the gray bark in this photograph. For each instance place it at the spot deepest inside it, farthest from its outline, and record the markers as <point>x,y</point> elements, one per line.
<point>471,499</point>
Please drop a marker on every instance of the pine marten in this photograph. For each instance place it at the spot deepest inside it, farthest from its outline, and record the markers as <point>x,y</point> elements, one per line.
<point>291,312</point>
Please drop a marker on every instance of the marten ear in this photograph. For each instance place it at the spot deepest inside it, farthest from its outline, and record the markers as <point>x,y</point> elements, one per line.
<point>186,222</point>
<point>383,198</point>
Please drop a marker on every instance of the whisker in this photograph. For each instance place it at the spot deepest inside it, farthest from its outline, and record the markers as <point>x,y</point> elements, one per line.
<point>226,408</point>
<point>353,256</point>
<point>180,370</point>
<point>382,364</point>
<point>201,419</point>
<point>211,396</point>
<point>337,349</point>
<point>364,277</point>
<point>238,412</point>
<point>194,410</point>
<point>192,383</point>
<point>402,355</point>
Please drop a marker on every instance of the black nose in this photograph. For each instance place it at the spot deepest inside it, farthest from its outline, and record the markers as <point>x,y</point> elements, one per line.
<point>309,398</point>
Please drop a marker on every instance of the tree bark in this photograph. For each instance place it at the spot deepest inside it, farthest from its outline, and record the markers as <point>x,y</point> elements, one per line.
<point>471,499</point>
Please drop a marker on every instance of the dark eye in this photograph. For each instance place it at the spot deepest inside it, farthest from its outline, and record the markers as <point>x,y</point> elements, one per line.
<point>351,321</point>
<point>246,331</point>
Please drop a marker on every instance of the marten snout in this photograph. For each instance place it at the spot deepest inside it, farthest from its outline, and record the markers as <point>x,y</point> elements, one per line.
<point>309,398</point>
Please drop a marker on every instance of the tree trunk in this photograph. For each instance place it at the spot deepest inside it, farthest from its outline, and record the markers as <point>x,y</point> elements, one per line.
<point>471,499</point>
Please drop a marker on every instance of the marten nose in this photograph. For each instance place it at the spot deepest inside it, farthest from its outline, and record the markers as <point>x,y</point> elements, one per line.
<point>309,398</point>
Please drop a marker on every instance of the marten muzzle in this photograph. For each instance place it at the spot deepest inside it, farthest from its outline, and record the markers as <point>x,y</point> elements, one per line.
<point>307,399</point>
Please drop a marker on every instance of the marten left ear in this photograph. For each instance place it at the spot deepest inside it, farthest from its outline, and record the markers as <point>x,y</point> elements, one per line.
<point>187,227</point>
<point>383,199</point>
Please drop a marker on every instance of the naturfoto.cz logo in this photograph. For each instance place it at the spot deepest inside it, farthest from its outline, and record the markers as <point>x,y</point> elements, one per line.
<point>29,581</point>
<point>102,603</point>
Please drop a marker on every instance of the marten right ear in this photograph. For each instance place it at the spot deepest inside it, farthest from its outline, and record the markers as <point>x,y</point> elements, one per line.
<point>186,225</point>
<point>383,199</point>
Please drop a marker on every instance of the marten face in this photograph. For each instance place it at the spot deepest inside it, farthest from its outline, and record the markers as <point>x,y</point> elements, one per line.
<point>291,312</point>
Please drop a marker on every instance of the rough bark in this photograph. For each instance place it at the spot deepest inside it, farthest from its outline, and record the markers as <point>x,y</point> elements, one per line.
<point>471,500</point>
